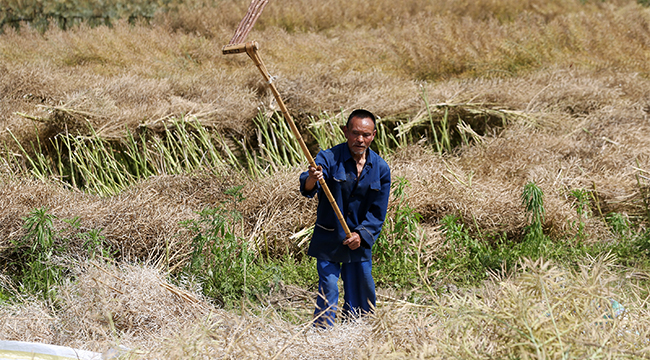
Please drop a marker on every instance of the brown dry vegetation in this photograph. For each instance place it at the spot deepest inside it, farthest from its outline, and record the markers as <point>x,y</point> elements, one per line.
<point>577,76</point>
<point>542,312</point>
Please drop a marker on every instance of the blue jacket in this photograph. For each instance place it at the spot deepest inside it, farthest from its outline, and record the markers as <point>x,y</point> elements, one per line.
<point>363,204</point>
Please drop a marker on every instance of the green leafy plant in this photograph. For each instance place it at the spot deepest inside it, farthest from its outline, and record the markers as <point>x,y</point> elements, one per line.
<point>219,258</point>
<point>291,269</point>
<point>532,199</point>
<point>628,246</point>
<point>95,244</point>
<point>396,250</point>
<point>467,258</point>
<point>619,224</point>
<point>582,197</point>
<point>228,268</point>
<point>38,262</point>
<point>642,243</point>
<point>632,245</point>
<point>36,272</point>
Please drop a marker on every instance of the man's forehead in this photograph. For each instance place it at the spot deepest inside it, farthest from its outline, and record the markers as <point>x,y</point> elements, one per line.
<point>361,122</point>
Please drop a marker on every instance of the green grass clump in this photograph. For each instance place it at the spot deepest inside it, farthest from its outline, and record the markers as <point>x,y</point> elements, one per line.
<point>533,201</point>
<point>471,257</point>
<point>222,261</point>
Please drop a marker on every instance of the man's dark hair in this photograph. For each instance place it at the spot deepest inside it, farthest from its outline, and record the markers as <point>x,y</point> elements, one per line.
<point>364,114</point>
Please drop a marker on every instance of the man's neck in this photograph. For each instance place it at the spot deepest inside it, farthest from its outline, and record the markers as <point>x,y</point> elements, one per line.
<point>359,157</point>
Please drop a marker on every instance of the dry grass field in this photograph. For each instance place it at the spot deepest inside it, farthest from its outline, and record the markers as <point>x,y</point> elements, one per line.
<point>551,92</point>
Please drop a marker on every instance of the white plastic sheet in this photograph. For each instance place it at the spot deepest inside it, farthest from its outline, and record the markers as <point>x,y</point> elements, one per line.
<point>18,350</point>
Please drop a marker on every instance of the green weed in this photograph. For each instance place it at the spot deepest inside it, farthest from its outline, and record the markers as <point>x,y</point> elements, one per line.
<point>95,244</point>
<point>38,262</point>
<point>582,203</point>
<point>532,199</point>
<point>227,266</point>
<point>619,224</point>
<point>469,258</point>
<point>219,258</point>
<point>396,250</point>
<point>632,242</point>
<point>36,272</point>
<point>229,270</point>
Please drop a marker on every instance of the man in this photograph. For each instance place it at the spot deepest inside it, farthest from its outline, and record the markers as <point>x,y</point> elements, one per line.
<point>359,181</point>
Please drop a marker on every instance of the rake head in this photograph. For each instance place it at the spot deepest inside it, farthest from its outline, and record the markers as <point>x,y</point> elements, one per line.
<point>236,44</point>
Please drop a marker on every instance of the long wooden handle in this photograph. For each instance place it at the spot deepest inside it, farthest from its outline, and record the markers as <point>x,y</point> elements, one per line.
<point>251,49</point>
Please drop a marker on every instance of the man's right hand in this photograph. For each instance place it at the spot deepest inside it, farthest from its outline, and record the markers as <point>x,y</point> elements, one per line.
<point>315,174</point>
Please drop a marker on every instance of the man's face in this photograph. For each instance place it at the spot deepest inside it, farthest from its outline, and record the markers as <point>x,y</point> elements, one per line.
<point>360,132</point>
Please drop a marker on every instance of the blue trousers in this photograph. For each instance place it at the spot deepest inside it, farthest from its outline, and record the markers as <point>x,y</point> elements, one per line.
<point>358,289</point>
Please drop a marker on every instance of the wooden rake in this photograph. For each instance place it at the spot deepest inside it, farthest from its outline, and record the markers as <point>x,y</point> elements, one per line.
<point>237,46</point>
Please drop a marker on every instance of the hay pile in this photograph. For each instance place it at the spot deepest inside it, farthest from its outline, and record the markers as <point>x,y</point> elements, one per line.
<point>106,306</point>
<point>141,223</point>
<point>120,307</point>
<point>577,131</point>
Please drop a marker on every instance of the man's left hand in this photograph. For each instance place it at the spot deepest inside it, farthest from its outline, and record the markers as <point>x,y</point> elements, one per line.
<point>353,242</point>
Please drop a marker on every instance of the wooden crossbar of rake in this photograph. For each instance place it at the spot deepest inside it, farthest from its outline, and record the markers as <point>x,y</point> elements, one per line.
<point>237,46</point>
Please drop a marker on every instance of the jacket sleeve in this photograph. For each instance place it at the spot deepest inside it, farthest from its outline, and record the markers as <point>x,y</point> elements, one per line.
<point>370,228</point>
<point>319,160</point>
<point>303,180</point>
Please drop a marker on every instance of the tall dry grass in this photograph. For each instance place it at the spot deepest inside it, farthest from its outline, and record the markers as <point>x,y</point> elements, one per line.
<point>361,54</point>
